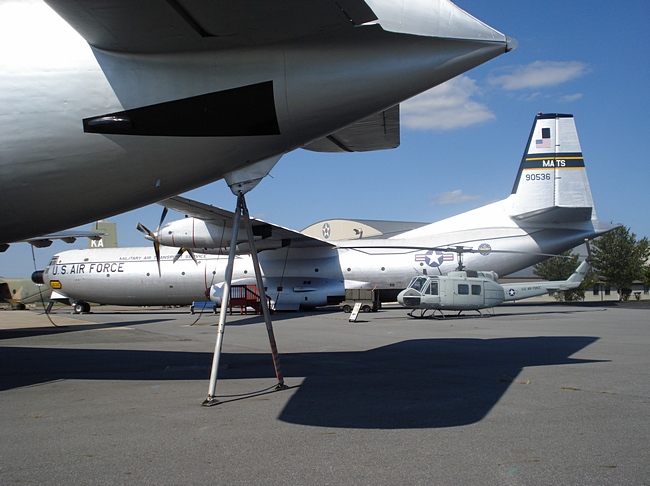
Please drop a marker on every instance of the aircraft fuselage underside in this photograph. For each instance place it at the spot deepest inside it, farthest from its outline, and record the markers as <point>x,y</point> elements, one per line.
<point>91,126</point>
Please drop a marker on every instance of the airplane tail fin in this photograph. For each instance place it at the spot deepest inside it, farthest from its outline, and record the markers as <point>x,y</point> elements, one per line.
<point>552,184</point>
<point>579,274</point>
<point>109,240</point>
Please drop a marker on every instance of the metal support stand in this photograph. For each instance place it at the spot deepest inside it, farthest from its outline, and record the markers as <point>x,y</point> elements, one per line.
<point>262,291</point>
<point>241,209</point>
<point>211,400</point>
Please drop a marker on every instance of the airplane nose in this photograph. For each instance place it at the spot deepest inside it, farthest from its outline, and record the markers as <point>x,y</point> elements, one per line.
<point>511,43</point>
<point>37,277</point>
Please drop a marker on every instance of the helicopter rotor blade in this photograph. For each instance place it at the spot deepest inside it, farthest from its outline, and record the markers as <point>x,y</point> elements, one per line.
<point>446,249</point>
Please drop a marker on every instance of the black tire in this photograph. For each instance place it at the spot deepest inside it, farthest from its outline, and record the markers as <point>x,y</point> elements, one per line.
<point>81,307</point>
<point>366,308</point>
<point>347,309</point>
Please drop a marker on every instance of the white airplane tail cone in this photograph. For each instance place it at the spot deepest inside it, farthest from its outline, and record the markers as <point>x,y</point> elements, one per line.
<point>552,185</point>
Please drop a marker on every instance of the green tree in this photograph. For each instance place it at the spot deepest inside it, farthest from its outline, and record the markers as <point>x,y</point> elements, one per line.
<point>560,268</point>
<point>557,268</point>
<point>619,259</point>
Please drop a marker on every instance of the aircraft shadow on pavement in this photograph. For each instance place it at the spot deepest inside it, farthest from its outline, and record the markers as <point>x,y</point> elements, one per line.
<point>26,332</point>
<point>237,319</point>
<point>419,383</point>
<point>425,383</point>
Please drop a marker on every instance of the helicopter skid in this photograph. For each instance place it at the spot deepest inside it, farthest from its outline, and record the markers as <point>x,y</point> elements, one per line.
<point>438,314</point>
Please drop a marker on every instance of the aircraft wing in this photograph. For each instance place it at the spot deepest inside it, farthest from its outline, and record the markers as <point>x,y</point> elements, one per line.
<point>190,25</point>
<point>69,236</point>
<point>376,132</point>
<point>268,231</point>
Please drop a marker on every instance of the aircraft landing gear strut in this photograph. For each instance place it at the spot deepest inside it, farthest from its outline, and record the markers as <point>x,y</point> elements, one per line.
<point>241,210</point>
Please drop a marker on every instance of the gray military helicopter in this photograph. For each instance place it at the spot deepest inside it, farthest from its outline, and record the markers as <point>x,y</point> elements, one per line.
<point>471,290</point>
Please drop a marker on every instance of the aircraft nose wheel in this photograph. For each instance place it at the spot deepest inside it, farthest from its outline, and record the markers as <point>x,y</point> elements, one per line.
<point>81,308</point>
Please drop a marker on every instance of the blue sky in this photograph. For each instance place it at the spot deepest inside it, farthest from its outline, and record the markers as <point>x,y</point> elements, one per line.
<point>461,144</point>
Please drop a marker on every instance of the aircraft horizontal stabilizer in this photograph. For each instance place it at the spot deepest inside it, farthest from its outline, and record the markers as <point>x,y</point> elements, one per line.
<point>555,215</point>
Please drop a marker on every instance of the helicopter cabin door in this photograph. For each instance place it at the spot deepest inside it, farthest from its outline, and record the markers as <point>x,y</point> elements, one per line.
<point>468,294</point>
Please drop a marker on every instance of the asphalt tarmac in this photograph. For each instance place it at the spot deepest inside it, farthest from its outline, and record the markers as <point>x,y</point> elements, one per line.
<point>535,394</point>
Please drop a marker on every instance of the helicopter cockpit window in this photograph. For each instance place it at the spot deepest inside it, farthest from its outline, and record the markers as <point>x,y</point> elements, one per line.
<point>463,289</point>
<point>476,290</point>
<point>433,288</point>
<point>418,283</point>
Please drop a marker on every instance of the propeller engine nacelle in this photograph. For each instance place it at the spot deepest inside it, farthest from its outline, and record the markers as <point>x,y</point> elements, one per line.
<point>210,237</point>
<point>196,233</point>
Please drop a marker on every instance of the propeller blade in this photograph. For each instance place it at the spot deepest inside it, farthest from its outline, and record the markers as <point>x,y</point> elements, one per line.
<point>162,218</point>
<point>146,231</point>
<point>150,235</point>
<point>156,249</point>
<point>189,252</point>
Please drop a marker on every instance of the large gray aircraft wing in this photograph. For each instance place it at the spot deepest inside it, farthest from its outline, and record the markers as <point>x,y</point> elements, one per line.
<point>68,236</point>
<point>222,217</point>
<point>191,25</point>
<point>376,132</point>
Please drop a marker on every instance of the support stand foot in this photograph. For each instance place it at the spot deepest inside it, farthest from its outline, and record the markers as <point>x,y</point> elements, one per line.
<point>210,402</point>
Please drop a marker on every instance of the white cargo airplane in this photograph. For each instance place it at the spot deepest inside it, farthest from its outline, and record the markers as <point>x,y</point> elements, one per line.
<point>108,106</point>
<point>549,211</point>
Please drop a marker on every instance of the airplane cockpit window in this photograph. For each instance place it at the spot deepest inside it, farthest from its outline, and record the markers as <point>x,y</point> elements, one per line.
<point>54,260</point>
<point>476,290</point>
